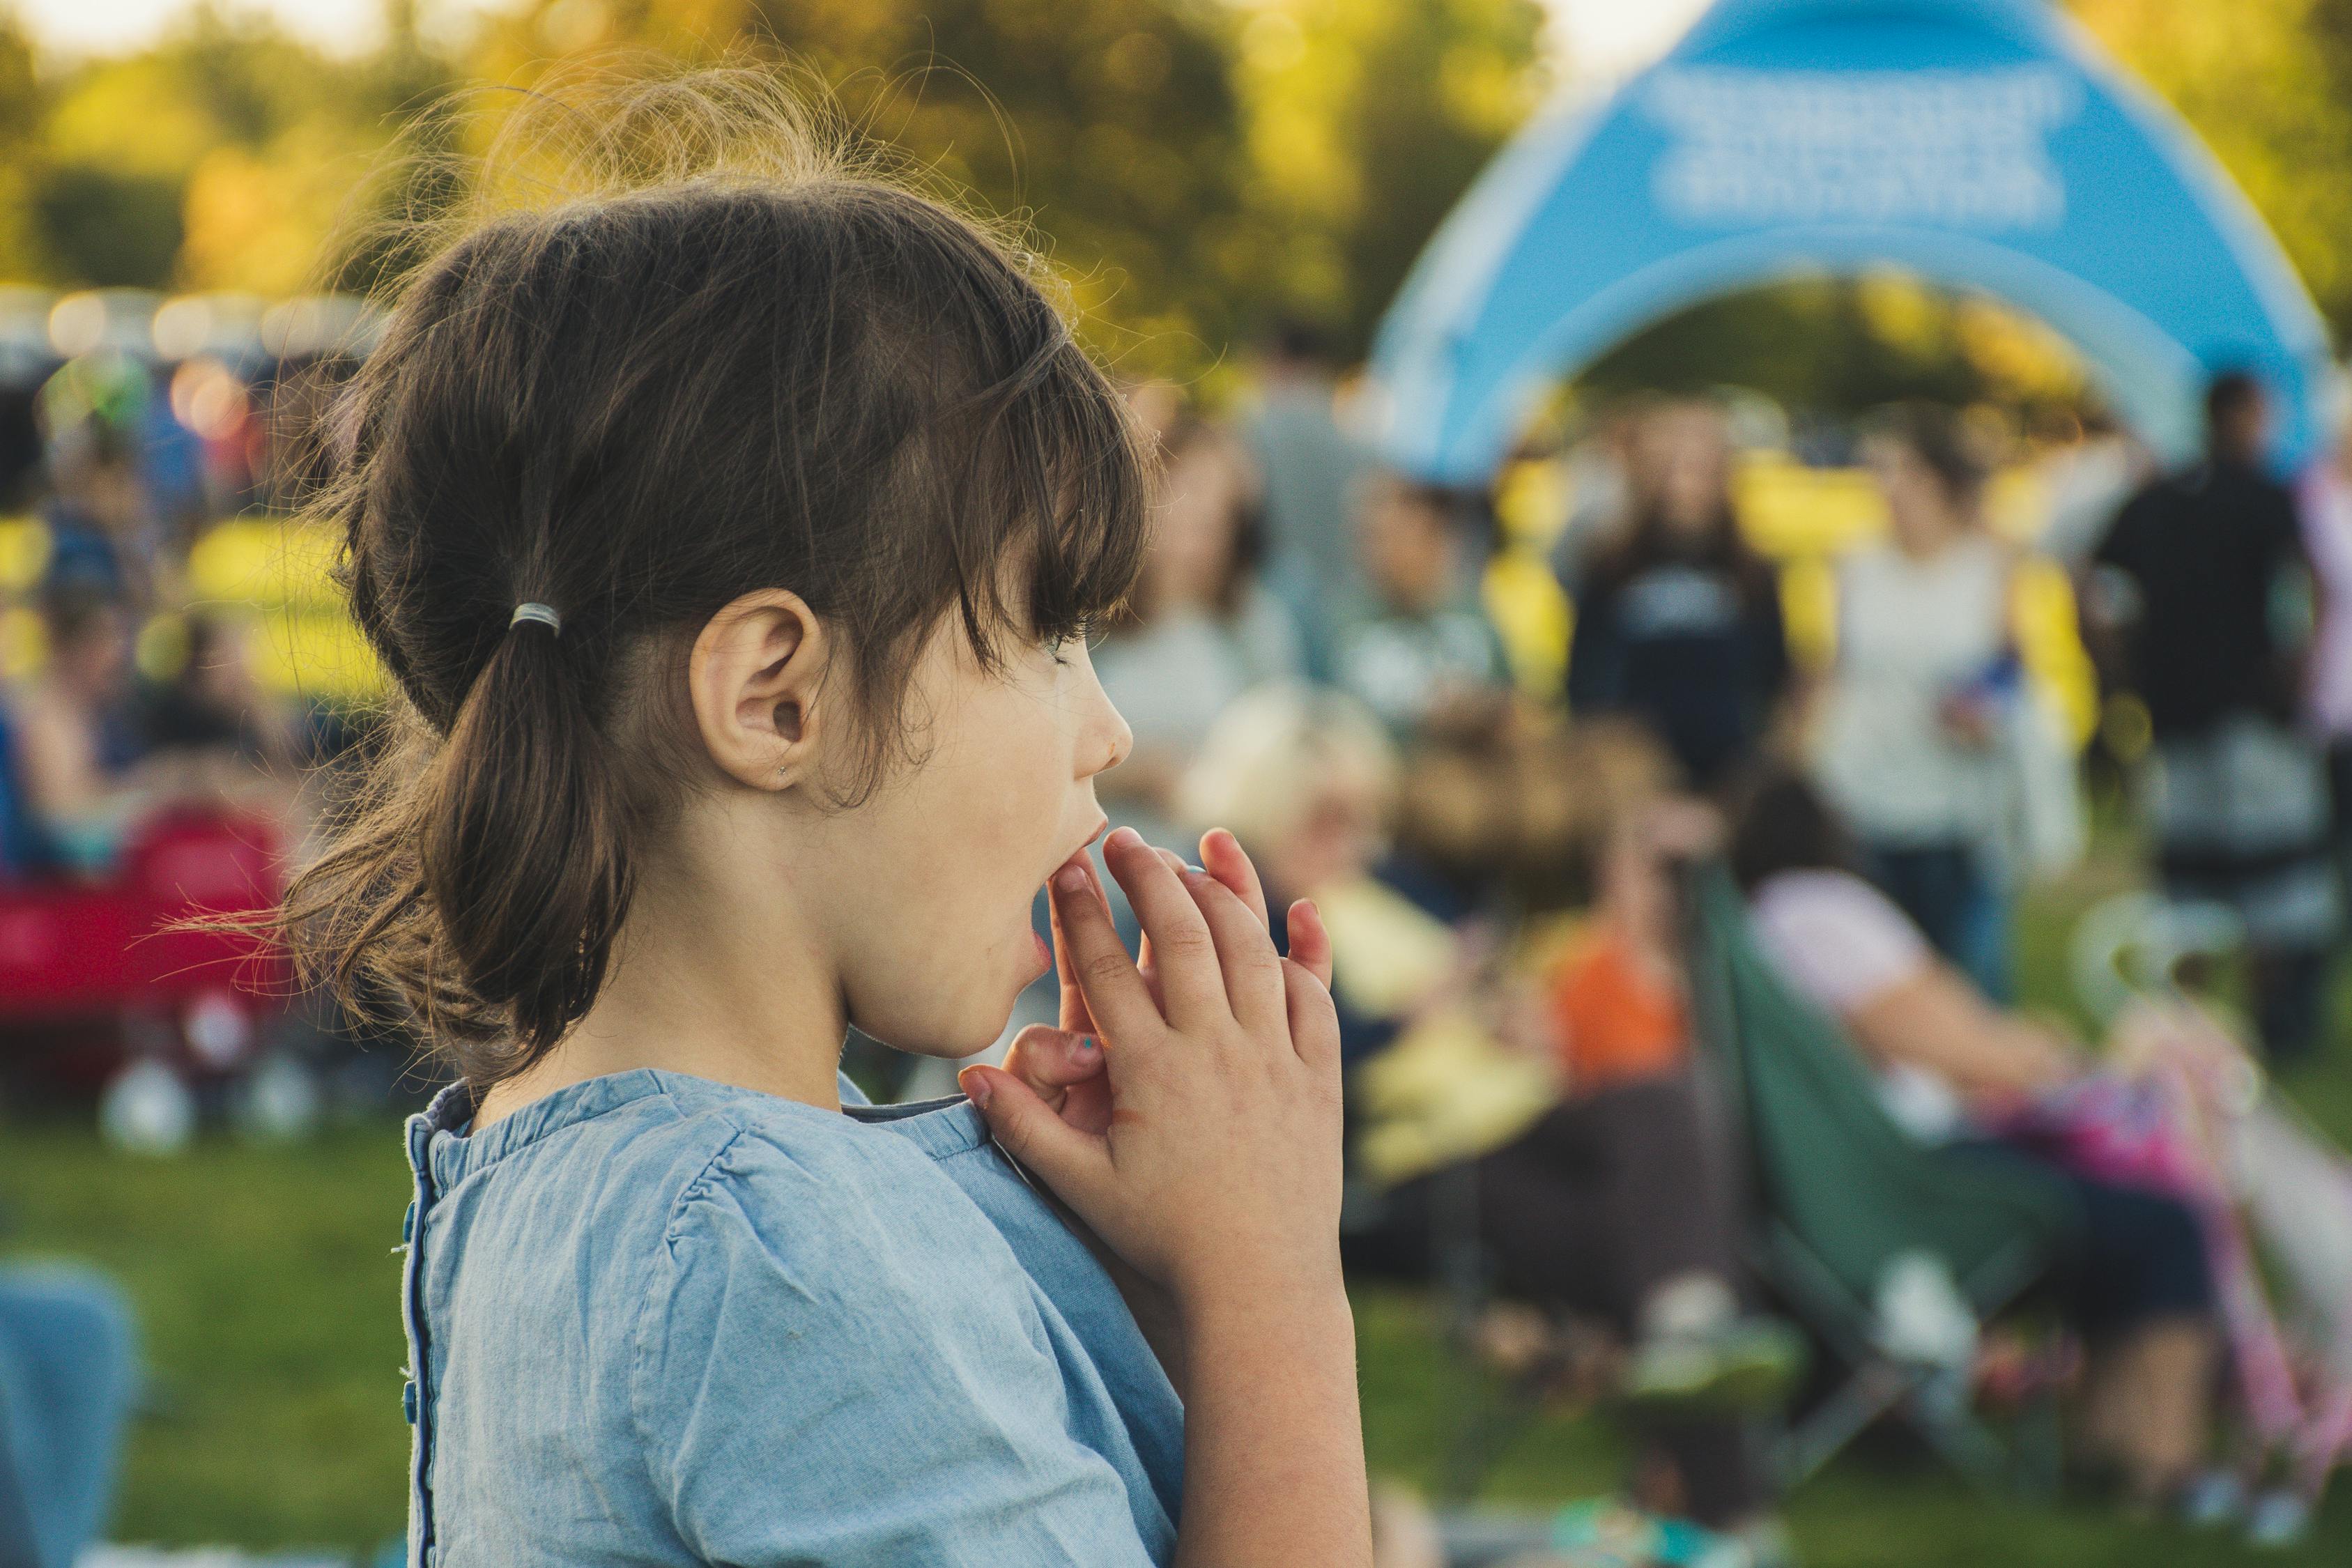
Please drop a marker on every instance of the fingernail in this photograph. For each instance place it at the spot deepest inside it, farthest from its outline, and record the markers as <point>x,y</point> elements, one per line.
<point>1125,837</point>
<point>977,1086</point>
<point>1086,1046</point>
<point>1069,878</point>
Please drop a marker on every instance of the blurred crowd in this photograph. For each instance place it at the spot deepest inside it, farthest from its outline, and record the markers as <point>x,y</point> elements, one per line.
<point>1505,855</point>
<point>126,433</point>
<point>1504,808</point>
<point>148,773</point>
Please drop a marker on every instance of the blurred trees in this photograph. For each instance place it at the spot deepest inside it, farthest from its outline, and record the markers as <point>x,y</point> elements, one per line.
<point>220,158</point>
<point>1109,125</point>
<point>1196,168</point>
<point>1365,123</point>
<point>1203,168</point>
<point>2268,85</point>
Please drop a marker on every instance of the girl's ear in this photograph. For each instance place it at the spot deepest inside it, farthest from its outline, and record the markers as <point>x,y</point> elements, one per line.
<point>754,677</point>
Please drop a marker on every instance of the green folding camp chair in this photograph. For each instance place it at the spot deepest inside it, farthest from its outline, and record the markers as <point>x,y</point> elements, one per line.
<point>1844,1194</point>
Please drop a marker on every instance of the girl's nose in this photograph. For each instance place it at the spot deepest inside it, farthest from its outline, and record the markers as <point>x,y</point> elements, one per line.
<point>1115,739</point>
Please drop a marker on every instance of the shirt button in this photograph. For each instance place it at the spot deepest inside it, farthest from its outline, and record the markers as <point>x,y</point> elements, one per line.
<point>408,1402</point>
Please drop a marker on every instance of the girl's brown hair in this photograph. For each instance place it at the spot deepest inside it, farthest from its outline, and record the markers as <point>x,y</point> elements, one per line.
<point>687,341</point>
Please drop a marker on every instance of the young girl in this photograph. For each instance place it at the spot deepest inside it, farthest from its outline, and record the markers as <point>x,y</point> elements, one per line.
<point>731,537</point>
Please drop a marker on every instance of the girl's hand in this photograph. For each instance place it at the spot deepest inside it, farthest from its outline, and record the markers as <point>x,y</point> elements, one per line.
<point>1209,1158</point>
<point>1062,1063</point>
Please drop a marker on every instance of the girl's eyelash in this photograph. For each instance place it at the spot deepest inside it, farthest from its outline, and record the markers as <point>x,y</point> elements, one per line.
<point>1083,632</point>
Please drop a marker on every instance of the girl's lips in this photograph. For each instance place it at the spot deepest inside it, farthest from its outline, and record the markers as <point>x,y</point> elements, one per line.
<point>1091,840</point>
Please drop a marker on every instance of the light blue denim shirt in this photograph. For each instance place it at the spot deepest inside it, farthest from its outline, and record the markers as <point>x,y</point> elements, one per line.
<point>654,1319</point>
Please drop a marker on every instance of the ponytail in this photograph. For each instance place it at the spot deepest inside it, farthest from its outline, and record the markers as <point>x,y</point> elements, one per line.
<point>524,854</point>
<point>474,887</point>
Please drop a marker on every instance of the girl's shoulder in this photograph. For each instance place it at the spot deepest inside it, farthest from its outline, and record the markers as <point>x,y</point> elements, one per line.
<point>820,1178</point>
<point>709,1218</point>
<point>647,1160</point>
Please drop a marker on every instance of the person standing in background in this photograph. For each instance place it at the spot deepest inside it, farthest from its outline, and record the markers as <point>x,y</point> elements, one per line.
<point>2326,509</point>
<point>1312,468</point>
<point>1199,630</point>
<point>1679,624</point>
<point>2089,467</point>
<point>1925,712</point>
<point>1602,471</point>
<point>2200,596</point>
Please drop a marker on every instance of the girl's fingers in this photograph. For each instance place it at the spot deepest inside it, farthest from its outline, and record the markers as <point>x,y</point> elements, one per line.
<point>1183,955</point>
<point>1050,1060</point>
<point>1114,993</point>
<point>1073,1014</point>
<point>1314,1021</point>
<point>1310,943</point>
<point>1143,953</point>
<point>1222,858</point>
<point>1245,955</point>
<point>1076,1165</point>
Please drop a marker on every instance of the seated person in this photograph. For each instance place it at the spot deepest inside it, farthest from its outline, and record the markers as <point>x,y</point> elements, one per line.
<point>1419,649</point>
<point>212,733</point>
<point>74,746</point>
<point>96,514</point>
<point>1606,1204</point>
<point>1953,1067</point>
<point>212,705</point>
<point>23,851</point>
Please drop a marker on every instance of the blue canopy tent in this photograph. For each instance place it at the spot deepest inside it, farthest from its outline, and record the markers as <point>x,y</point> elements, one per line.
<point>1982,144</point>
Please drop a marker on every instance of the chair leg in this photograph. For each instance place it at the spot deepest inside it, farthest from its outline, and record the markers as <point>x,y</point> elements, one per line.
<point>1939,1413</point>
<point>1876,1386</point>
<point>1462,1275</point>
<point>1489,1425</point>
<point>2039,1448</point>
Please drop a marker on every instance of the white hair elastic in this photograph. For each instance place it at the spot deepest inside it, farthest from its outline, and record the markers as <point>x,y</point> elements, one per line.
<point>543,614</point>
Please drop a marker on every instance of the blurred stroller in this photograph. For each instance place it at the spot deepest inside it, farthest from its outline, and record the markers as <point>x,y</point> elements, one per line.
<point>102,982</point>
<point>2186,1107</point>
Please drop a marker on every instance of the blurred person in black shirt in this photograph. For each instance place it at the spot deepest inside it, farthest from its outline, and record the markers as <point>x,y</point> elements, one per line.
<point>1678,624</point>
<point>2201,598</point>
<point>74,743</point>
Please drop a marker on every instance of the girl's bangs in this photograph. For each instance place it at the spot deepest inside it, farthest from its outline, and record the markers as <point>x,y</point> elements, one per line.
<point>1077,509</point>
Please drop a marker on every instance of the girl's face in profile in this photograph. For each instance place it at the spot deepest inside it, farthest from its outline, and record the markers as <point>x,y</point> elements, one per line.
<point>936,874</point>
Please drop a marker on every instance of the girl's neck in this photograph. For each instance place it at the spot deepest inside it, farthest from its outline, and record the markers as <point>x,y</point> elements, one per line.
<point>735,1001</point>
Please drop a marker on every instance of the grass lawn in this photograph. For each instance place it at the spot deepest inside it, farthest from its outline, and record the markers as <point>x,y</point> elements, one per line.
<point>267,1289</point>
